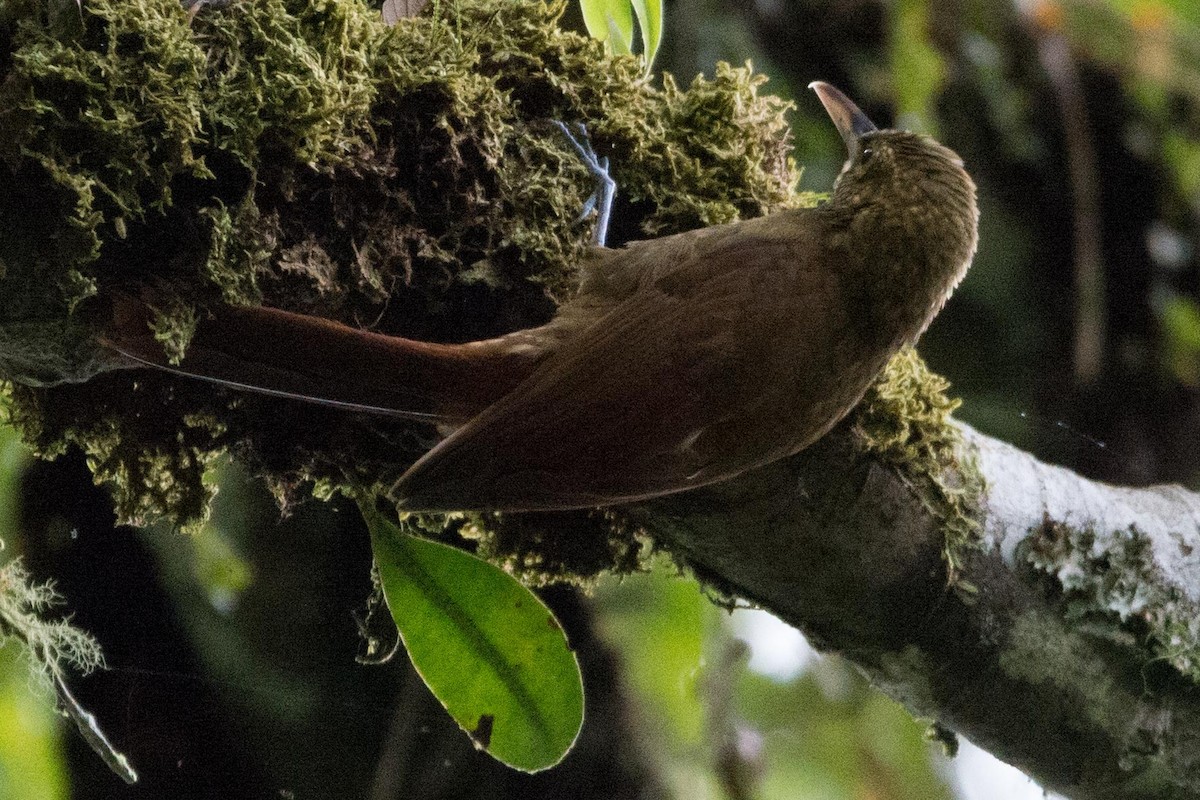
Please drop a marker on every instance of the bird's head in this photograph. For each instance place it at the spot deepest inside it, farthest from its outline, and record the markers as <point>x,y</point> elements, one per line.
<point>918,185</point>
<point>899,166</point>
<point>905,201</point>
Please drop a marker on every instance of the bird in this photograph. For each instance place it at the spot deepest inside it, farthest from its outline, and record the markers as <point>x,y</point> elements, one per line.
<point>681,361</point>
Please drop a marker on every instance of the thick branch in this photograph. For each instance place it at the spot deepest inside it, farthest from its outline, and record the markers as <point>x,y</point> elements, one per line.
<point>1061,648</point>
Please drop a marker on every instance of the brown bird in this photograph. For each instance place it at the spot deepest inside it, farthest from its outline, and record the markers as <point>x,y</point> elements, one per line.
<point>682,361</point>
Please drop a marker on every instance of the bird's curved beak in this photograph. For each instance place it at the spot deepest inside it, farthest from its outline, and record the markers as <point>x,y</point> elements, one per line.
<point>849,119</point>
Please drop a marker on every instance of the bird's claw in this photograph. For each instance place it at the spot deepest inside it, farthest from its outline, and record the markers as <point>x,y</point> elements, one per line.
<point>606,188</point>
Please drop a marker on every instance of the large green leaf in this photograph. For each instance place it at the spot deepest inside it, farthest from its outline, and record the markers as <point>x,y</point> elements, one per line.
<point>486,646</point>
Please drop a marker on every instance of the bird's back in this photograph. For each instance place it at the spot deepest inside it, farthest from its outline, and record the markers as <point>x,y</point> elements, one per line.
<point>699,367</point>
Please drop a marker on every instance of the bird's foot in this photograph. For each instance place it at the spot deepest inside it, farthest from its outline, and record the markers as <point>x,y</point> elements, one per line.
<point>601,200</point>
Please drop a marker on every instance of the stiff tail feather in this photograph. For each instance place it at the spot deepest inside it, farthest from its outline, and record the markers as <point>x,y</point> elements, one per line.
<point>316,360</point>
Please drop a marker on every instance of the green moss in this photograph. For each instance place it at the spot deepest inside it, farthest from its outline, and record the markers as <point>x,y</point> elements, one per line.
<point>721,132</point>
<point>540,548</point>
<point>303,155</point>
<point>239,250</point>
<point>1111,577</point>
<point>904,421</point>
<point>99,120</point>
<point>174,324</point>
<point>289,77</point>
<point>576,547</point>
<point>155,466</point>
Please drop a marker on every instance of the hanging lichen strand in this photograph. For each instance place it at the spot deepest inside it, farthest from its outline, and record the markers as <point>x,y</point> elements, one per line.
<point>301,154</point>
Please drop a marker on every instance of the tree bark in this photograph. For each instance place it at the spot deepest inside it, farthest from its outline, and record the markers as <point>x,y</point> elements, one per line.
<point>1066,646</point>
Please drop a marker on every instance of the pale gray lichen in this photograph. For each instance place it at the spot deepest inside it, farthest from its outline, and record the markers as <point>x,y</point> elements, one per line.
<point>905,675</point>
<point>1112,575</point>
<point>53,645</point>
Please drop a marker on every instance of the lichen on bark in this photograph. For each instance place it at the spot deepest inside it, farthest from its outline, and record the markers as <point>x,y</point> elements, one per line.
<point>303,155</point>
<point>1111,581</point>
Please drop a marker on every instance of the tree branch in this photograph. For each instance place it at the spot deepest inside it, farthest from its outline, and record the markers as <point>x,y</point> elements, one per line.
<point>1067,647</point>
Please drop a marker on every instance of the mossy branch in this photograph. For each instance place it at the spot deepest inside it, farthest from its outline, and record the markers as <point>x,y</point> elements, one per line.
<point>305,155</point>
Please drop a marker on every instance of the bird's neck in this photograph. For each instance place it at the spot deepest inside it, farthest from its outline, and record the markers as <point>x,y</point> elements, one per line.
<point>906,255</point>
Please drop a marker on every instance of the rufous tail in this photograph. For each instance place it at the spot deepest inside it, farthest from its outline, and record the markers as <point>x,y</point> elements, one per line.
<point>316,360</point>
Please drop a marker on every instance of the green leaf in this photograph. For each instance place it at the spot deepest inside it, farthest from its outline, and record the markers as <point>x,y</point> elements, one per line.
<point>32,763</point>
<point>617,41</point>
<point>649,16</point>
<point>486,646</point>
<point>610,21</point>
<point>658,622</point>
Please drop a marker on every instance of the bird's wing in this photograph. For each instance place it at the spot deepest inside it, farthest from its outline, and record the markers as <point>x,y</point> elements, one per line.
<point>617,412</point>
